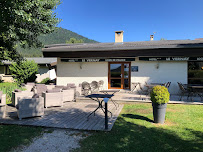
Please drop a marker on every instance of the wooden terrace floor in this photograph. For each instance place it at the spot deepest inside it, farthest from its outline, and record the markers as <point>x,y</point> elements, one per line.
<point>72,115</point>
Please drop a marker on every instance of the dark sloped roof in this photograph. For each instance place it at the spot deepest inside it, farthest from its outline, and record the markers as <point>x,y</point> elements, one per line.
<point>39,60</point>
<point>125,45</point>
<point>43,60</point>
<point>126,49</point>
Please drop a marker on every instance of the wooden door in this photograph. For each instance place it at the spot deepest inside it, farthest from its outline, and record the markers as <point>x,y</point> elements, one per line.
<point>119,75</point>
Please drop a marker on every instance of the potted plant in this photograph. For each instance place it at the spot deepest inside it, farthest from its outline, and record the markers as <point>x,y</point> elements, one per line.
<point>159,97</point>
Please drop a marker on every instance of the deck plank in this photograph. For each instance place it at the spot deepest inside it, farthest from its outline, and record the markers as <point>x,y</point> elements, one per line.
<point>72,115</point>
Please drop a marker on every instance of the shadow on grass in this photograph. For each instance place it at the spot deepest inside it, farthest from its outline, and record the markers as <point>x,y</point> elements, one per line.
<point>127,136</point>
<point>133,116</point>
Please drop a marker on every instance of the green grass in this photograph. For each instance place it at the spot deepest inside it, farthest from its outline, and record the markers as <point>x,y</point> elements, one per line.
<point>11,136</point>
<point>134,131</point>
<point>7,88</point>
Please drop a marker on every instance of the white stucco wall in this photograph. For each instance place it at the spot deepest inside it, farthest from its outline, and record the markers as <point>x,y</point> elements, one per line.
<point>167,71</point>
<point>69,72</point>
<point>74,72</point>
<point>43,73</point>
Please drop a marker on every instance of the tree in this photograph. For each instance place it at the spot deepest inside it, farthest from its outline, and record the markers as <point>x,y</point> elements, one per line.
<point>22,21</point>
<point>24,71</point>
<point>74,40</point>
<point>163,39</point>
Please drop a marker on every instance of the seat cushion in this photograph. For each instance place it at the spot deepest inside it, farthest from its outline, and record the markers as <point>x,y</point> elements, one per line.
<point>59,86</point>
<point>66,88</point>
<point>71,85</point>
<point>41,88</point>
<point>31,83</point>
<point>54,90</point>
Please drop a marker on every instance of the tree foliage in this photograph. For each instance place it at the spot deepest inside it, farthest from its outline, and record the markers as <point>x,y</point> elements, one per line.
<point>24,71</point>
<point>74,40</point>
<point>59,36</point>
<point>22,21</point>
<point>160,94</point>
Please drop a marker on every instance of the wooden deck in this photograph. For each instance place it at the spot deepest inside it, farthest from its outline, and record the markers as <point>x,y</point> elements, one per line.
<point>72,115</point>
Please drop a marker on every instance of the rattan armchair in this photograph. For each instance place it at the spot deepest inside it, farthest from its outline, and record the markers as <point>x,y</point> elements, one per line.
<point>2,105</point>
<point>52,98</point>
<point>30,107</point>
<point>16,95</point>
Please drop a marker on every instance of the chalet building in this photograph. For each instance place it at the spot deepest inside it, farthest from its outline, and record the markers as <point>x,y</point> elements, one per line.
<point>121,63</point>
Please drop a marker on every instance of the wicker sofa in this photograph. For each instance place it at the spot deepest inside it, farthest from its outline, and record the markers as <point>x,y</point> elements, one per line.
<point>52,98</point>
<point>68,95</point>
<point>68,92</point>
<point>30,107</point>
<point>16,95</point>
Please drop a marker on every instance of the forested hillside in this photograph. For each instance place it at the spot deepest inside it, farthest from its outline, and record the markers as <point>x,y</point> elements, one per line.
<point>59,36</point>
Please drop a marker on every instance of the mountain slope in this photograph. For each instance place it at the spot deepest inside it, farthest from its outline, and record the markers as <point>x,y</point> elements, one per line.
<point>59,36</point>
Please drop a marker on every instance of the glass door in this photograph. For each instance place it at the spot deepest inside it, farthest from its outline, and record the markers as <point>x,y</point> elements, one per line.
<point>119,76</point>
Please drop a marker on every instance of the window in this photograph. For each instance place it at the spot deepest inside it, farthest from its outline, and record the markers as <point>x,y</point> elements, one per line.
<point>195,72</point>
<point>7,71</point>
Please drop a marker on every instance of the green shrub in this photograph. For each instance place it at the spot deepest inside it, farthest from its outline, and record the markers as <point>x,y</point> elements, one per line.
<point>7,89</point>
<point>45,81</point>
<point>160,94</point>
<point>24,71</point>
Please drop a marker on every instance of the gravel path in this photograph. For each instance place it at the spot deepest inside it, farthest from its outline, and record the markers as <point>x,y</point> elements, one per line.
<point>57,141</point>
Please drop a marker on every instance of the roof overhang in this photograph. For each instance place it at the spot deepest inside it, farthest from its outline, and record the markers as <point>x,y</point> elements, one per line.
<point>126,49</point>
<point>167,52</point>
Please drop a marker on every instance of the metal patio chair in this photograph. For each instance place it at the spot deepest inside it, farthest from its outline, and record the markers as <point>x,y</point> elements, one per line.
<point>86,88</point>
<point>134,87</point>
<point>184,91</point>
<point>100,84</point>
<point>144,91</point>
<point>94,87</point>
<point>167,85</point>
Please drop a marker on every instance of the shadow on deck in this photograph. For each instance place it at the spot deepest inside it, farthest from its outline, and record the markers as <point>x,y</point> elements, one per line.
<point>72,116</point>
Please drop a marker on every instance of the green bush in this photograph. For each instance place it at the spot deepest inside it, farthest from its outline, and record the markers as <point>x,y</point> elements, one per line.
<point>7,89</point>
<point>160,94</point>
<point>24,71</point>
<point>46,81</point>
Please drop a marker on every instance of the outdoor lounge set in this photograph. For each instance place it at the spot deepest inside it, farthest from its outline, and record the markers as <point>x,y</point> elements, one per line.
<point>36,97</point>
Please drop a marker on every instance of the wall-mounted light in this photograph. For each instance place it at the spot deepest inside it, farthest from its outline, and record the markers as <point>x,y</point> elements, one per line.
<point>157,66</point>
<point>80,65</point>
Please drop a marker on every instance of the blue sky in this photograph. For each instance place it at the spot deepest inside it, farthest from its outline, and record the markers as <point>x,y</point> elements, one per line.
<point>98,19</point>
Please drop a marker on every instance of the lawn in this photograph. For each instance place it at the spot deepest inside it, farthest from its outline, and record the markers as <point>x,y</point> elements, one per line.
<point>134,131</point>
<point>7,88</point>
<point>12,136</point>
